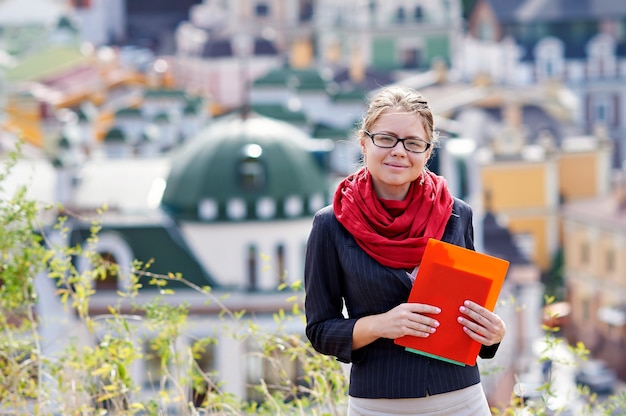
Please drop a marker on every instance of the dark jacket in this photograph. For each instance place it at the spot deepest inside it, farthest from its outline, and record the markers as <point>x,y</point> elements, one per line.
<point>337,270</point>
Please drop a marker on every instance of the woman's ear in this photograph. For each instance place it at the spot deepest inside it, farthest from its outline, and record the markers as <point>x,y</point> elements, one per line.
<point>362,142</point>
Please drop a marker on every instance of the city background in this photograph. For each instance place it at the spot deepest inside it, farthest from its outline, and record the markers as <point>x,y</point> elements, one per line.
<point>214,130</point>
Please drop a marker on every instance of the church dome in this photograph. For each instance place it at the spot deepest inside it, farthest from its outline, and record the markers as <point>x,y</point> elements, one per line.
<point>247,169</point>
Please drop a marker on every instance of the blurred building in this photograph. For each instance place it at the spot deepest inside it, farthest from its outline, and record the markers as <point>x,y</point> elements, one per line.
<point>386,35</point>
<point>580,44</point>
<point>595,271</point>
<point>526,156</point>
<point>224,46</point>
<point>99,22</point>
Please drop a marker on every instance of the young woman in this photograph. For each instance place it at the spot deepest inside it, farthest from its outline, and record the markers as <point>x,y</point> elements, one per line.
<point>364,251</point>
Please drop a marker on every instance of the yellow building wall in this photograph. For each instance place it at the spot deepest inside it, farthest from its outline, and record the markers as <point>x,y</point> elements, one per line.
<point>578,175</point>
<point>301,55</point>
<point>518,190</point>
<point>515,186</point>
<point>23,118</point>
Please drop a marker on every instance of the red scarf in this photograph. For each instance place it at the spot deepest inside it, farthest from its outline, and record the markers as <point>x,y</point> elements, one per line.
<point>394,233</point>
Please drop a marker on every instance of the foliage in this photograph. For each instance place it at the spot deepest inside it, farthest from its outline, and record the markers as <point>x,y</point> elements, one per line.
<point>92,375</point>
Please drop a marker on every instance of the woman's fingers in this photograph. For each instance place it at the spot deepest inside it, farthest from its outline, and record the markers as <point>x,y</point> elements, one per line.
<point>410,319</point>
<point>481,324</point>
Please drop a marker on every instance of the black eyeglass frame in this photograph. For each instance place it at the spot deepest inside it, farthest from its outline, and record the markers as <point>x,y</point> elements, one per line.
<point>398,139</point>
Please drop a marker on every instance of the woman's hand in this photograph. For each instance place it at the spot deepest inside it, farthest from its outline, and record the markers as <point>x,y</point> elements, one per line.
<point>483,325</point>
<point>404,319</point>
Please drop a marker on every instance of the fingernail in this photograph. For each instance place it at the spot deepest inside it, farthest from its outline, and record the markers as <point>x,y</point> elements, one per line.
<point>462,308</point>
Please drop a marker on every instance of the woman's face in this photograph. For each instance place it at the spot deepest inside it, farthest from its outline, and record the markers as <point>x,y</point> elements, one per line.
<point>394,169</point>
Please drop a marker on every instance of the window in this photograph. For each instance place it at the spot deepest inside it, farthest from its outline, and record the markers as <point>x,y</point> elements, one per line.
<point>549,54</point>
<point>252,267</point>
<point>585,255</point>
<point>252,175</point>
<point>262,10</point>
<point>293,206</point>
<point>400,15</point>
<point>610,261</point>
<point>418,13</point>
<point>410,58</point>
<point>604,109</point>
<point>204,365</point>
<point>115,256</point>
<point>306,10</point>
<point>600,113</point>
<point>154,374</point>
<point>109,282</point>
<point>281,268</point>
<point>276,368</point>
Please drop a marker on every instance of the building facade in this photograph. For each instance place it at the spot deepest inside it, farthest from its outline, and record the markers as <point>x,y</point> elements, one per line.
<point>386,35</point>
<point>581,45</point>
<point>595,271</point>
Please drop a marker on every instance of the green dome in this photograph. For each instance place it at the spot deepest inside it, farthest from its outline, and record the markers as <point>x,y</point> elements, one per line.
<point>245,169</point>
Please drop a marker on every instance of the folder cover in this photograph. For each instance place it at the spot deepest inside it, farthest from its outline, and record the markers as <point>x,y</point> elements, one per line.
<point>447,276</point>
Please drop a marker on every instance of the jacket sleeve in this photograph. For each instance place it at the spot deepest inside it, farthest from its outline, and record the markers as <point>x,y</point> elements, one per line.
<point>488,351</point>
<point>329,331</point>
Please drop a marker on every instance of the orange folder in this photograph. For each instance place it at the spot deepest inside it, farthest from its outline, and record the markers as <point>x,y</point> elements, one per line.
<point>447,276</point>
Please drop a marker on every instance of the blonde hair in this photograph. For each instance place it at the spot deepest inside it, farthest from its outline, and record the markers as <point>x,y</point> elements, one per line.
<point>401,98</point>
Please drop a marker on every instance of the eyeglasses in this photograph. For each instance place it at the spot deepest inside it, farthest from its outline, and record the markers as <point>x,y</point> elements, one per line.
<point>388,141</point>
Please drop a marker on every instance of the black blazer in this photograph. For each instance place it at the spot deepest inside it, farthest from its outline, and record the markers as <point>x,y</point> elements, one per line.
<point>337,270</point>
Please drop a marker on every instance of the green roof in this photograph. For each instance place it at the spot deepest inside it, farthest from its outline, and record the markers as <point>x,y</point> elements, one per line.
<point>209,166</point>
<point>128,112</point>
<point>303,79</point>
<point>190,108</point>
<point>310,80</point>
<point>275,77</point>
<point>161,242</point>
<point>161,118</point>
<point>327,132</point>
<point>279,112</point>
<point>83,115</point>
<point>66,23</point>
<point>164,93</point>
<point>355,94</point>
<point>115,135</point>
<point>46,63</point>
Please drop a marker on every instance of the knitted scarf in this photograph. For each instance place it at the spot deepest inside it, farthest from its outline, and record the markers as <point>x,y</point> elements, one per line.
<point>394,233</point>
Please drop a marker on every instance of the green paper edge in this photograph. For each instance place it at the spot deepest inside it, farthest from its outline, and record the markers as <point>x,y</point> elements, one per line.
<point>435,356</point>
